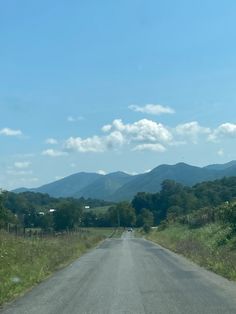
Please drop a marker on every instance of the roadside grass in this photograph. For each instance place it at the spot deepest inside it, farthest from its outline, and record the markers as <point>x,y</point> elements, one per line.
<point>25,262</point>
<point>118,233</point>
<point>212,246</point>
<point>107,232</point>
<point>103,232</point>
<point>139,233</point>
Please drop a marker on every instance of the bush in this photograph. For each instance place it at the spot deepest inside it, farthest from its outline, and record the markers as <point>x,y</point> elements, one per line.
<point>146,228</point>
<point>227,214</point>
<point>163,225</point>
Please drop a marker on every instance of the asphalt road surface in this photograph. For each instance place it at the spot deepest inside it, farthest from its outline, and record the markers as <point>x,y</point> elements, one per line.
<point>129,275</point>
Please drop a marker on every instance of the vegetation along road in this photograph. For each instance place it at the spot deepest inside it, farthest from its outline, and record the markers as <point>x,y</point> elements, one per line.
<point>129,275</point>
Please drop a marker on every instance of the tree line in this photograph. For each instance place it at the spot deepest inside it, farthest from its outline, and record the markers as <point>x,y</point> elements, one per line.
<point>198,205</point>
<point>37,210</point>
<point>202,203</point>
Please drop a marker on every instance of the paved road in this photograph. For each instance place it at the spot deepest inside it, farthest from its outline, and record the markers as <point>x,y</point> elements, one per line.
<point>129,275</point>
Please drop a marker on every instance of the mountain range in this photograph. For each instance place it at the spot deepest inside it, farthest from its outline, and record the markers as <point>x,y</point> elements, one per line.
<point>118,186</point>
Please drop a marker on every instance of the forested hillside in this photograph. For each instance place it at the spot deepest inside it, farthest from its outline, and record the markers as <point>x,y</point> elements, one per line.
<point>120,186</point>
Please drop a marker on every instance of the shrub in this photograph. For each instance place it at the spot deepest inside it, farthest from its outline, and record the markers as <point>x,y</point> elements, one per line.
<point>146,228</point>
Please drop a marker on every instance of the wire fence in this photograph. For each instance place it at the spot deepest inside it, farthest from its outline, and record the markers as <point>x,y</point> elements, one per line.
<point>21,231</point>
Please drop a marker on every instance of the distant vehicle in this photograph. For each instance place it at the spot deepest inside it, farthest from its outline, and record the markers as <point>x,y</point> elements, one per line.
<point>130,229</point>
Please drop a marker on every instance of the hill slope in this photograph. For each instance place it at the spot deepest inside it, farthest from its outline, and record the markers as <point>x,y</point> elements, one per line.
<point>151,181</point>
<point>105,186</point>
<point>68,186</point>
<point>221,166</point>
<point>119,186</point>
<point>182,173</point>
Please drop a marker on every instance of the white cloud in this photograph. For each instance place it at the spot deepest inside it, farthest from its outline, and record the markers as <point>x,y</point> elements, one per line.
<point>152,109</point>
<point>101,172</point>
<point>106,128</point>
<point>10,132</point>
<point>90,144</point>
<point>114,140</point>
<point>95,144</point>
<point>192,130</point>
<point>220,152</point>
<point>53,153</point>
<point>22,164</point>
<point>143,130</point>
<point>74,119</point>
<point>51,141</point>
<point>119,134</point>
<point>151,147</point>
<point>225,130</point>
<point>143,135</point>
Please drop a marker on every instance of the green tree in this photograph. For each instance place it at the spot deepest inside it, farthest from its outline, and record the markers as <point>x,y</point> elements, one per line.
<point>123,214</point>
<point>46,221</point>
<point>5,215</point>
<point>89,219</point>
<point>146,217</point>
<point>140,201</point>
<point>67,215</point>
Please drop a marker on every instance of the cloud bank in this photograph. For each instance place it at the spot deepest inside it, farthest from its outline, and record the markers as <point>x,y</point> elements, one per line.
<point>142,135</point>
<point>138,135</point>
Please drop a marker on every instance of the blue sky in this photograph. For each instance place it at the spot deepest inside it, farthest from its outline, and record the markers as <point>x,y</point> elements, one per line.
<point>114,85</point>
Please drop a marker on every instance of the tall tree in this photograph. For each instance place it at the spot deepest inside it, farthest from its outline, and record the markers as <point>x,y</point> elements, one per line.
<point>67,215</point>
<point>123,214</point>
